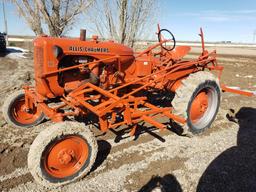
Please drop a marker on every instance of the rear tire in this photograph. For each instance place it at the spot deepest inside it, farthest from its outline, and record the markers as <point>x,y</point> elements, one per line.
<point>198,101</point>
<point>62,153</point>
<point>15,115</point>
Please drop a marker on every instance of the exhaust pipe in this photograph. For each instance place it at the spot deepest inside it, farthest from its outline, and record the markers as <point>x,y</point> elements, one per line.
<point>82,35</point>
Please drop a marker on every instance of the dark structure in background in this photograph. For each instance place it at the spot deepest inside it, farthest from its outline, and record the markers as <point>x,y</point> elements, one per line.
<point>2,43</point>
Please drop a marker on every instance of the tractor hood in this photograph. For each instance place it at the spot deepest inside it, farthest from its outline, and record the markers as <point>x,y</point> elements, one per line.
<point>93,48</point>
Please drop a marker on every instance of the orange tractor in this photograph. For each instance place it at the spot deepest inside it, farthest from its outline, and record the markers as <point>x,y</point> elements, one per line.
<point>109,81</point>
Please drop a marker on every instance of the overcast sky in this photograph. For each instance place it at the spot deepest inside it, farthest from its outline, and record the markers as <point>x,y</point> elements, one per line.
<point>229,20</point>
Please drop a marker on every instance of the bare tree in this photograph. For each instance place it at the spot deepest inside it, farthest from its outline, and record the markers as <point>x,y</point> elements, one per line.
<point>29,10</point>
<point>58,15</point>
<point>121,20</point>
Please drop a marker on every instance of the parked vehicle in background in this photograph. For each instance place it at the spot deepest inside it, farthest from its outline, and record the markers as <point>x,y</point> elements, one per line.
<point>2,42</point>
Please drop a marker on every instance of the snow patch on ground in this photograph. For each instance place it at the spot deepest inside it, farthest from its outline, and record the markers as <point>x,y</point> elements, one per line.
<point>16,52</point>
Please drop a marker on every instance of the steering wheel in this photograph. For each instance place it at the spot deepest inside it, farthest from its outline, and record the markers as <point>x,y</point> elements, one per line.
<point>161,38</point>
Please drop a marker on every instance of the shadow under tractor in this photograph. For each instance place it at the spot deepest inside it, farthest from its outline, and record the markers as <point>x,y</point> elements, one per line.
<point>75,78</point>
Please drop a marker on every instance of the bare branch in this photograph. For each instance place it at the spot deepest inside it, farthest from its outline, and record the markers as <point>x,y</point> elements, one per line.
<point>58,15</point>
<point>121,20</point>
<point>30,11</point>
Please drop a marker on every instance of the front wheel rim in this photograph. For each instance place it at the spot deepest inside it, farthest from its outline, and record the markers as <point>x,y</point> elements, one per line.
<point>65,157</point>
<point>19,113</point>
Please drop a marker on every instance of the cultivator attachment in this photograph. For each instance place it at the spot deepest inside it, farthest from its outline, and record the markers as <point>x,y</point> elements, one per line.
<point>114,111</point>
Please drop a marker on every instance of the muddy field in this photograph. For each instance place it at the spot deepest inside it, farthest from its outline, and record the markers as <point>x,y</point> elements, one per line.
<point>221,159</point>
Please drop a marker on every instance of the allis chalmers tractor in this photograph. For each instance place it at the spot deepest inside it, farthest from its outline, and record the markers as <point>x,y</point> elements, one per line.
<point>109,81</point>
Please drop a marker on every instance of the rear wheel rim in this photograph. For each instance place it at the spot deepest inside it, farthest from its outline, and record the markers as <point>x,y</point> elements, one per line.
<point>66,157</point>
<point>20,114</point>
<point>203,107</point>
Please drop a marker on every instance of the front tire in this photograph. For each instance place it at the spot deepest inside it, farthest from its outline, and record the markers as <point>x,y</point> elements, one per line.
<point>197,100</point>
<point>62,153</point>
<point>15,113</point>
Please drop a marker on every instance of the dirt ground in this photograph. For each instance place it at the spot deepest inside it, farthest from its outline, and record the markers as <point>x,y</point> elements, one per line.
<point>221,159</point>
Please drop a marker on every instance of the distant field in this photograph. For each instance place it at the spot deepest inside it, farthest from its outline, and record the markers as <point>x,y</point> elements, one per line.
<point>222,48</point>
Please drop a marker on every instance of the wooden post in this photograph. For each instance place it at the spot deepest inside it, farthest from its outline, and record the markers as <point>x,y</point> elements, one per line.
<point>5,24</point>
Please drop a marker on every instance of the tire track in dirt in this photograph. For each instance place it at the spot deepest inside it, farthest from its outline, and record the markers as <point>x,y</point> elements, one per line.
<point>10,183</point>
<point>18,172</point>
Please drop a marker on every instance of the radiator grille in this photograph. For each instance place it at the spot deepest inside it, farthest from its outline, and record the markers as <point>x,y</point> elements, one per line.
<point>39,60</point>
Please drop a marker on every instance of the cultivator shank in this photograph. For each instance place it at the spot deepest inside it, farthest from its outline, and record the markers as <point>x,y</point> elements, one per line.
<point>111,107</point>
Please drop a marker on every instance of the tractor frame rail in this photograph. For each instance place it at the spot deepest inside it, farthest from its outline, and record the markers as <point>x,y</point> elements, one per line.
<point>237,91</point>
